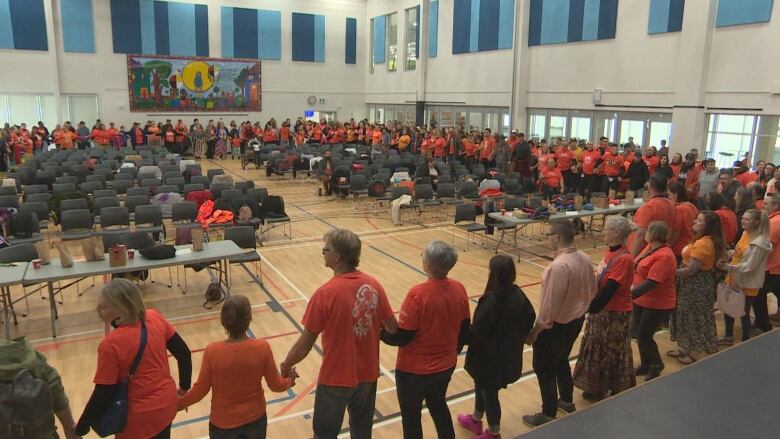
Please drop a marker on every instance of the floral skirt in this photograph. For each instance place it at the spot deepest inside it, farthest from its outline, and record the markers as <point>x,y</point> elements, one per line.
<point>605,363</point>
<point>692,323</point>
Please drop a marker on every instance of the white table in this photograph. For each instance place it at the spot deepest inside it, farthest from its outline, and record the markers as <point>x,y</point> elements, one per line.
<point>512,220</point>
<point>10,274</point>
<point>219,251</point>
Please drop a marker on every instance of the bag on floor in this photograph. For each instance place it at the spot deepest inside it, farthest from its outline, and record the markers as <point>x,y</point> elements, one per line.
<point>26,407</point>
<point>213,295</point>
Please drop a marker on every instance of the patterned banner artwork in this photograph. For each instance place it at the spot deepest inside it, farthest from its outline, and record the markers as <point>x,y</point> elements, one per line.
<point>171,84</point>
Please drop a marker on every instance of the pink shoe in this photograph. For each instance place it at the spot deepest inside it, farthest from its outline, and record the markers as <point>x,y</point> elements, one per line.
<point>487,435</point>
<point>467,421</point>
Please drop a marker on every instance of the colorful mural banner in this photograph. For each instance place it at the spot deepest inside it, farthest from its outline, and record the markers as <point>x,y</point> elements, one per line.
<point>182,84</point>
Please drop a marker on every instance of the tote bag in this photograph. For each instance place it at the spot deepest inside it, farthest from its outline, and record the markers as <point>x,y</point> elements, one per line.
<point>730,301</point>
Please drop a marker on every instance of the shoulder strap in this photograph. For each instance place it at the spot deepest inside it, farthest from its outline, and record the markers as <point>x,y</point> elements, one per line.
<point>140,353</point>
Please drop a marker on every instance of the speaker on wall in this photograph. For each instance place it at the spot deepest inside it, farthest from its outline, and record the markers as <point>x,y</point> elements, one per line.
<point>597,94</point>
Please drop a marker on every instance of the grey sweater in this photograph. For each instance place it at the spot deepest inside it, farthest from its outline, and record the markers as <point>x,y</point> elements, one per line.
<point>749,272</point>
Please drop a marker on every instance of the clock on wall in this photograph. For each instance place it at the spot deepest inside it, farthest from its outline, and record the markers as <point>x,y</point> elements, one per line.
<point>311,100</point>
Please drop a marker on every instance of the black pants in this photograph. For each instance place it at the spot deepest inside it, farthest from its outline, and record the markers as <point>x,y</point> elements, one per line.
<point>771,284</point>
<point>330,403</point>
<point>486,401</point>
<point>165,434</point>
<point>645,323</point>
<point>412,390</point>
<point>551,363</point>
<point>744,320</point>
<point>254,430</point>
<point>606,185</point>
<point>210,145</point>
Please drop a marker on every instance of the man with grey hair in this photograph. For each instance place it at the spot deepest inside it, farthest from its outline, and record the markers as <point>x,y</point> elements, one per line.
<point>432,325</point>
<point>568,287</point>
<point>348,310</point>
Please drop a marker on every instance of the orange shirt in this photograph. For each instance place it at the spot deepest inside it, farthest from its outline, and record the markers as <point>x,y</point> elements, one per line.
<point>589,159</point>
<point>655,209</point>
<point>651,162</point>
<point>565,157</point>
<point>543,159</point>
<point>351,135</point>
<point>66,139</point>
<point>468,147</point>
<point>403,142</point>
<point>686,214</point>
<point>233,372</point>
<point>612,164</point>
<point>434,309</point>
<point>376,137</point>
<point>552,177</point>
<point>284,132</point>
<point>703,249</point>
<point>621,270</point>
<point>659,266</point>
<point>152,396</point>
<point>746,178</point>
<point>773,261</point>
<point>299,139</point>
<point>100,136</point>
<point>438,147</point>
<point>488,146</point>
<point>728,222</point>
<point>348,311</point>
<point>269,135</point>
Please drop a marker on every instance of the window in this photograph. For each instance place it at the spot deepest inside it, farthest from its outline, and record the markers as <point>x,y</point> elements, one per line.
<point>392,42</point>
<point>492,122</point>
<point>412,37</point>
<point>399,113</point>
<point>460,118</point>
<point>580,128</point>
<point>411,114</point>
<point>475,120</point>
<point>23,108</point>
<point>371,47</point>
<point>537,126</point>
<point>729,137</point>
<point>632,128</point>
<point>660,131</point>
<point>446,117</point>
<point>4,119</point>
<point>82,107</point>
<point>557,127</point>
<point>505,124</point>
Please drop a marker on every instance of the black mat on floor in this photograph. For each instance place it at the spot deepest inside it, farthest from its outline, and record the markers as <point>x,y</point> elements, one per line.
<point>729,395</point>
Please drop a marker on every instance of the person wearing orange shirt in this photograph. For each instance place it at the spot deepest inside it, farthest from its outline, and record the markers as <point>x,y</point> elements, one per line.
<point>181,135</point>
<point>486,153</point>
<point>352,134</point>
<point>676,164</point>
<point>612,166</point>
<point>67,137</point>
<point>433,324</point>
<point>728,219</point>
<point>403,141</point>
<point>114,137</point>
<point>551,180</point>
<point>685,215</point>
<point>658,208</point>
<point>376,136</point>
<point>100,136</point>
<point>439,145</point>
<point>651,159</point>
<point>348,311</point>
<point>512,141</point>
<point>233,369</point>
<point>468,152</point>
<point>300,137</point>
<point>590,159</point>
<point>284,134</point>
<point>772,278</point>
<point>565,156</point>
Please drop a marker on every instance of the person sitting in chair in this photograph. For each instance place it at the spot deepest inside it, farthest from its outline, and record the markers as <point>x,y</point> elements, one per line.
<point>429,171</point>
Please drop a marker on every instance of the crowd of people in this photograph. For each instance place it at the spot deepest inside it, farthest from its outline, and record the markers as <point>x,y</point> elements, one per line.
<point>700,229</point>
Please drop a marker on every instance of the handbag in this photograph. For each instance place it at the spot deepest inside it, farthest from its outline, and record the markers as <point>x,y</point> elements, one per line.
<point>114,419</point>
<point>731,301</point>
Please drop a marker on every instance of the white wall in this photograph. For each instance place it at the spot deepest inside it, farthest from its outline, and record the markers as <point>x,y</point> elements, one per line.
<point>286,84</point>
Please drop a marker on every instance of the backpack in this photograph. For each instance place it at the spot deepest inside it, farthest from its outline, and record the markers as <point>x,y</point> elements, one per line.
<point>213,295</point>
<point>244,213</point>
<point>26,407</point>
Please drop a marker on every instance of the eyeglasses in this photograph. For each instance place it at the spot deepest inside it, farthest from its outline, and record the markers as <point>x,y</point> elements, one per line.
<point>325,250</point>
<point>550,234</point>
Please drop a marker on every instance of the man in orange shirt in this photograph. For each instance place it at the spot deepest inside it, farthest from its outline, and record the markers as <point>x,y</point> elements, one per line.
<point>551,179</point>
<point>433,323</point>
<point>611,168</point>
<point>486,155</point>
<point>348,311</point>
<point>772,278</point>
<point>67,136</point>
<point>591,158</point>
<point>658,208</point>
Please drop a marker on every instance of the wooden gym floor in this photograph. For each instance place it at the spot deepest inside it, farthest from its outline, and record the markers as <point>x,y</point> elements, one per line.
<point>291,271</point>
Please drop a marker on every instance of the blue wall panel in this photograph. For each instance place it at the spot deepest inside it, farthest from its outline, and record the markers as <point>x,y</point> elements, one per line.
<point>244,33</point>
<point>489,13</point>
<point>269,34</point>
<point>380,36</point>
<point>607,19</point>
<point>474,26</point>
<point>590,20</point>
<point>350,42</point>
<point>6,28</point>
<point>576,16</point>
<point>319,38</point>
<point>28,23</point>
<point>201,30</point>
<point>126,26</point>
<point>182,28</point>
<point>148,34</point>
<point>676,10</point>
<point>535,23</point>
<point>461,26</point>
<point>736,12</point>
<point>658,21</point>
<point>555,21</point>
<point>226,19</point>
<point>162,34</point>
<point>302,37</point>
<point>433,29</point>
<point>506,24</point>
<point>77,26</point>
<point>563,21</point>
<point>417,34</point>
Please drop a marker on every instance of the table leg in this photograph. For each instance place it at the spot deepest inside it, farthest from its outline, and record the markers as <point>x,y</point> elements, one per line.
<point>53,310</point>
<point>6,313</point>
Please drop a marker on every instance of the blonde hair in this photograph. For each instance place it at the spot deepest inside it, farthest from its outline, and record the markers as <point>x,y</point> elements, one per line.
<point>658,231</point>
<point>763,222</point>
<point>346,244</point>
<point>125,298</point>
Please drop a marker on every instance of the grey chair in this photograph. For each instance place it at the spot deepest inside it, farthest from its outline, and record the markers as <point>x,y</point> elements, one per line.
<point>178,182</point>
<point>121,186</point>
<point>230,194</point>
<point>150,182</point>
<point>138,191</point>
<point>244,237</point>
<point>90,187</point>
<point>67,179</point>
<point>76,224</point>
<point>168,188</point>
<point>114,219</point>
<point>73,204</point>
<point>212,172</point>
<point>192,187</point>
<point>258,193</point>
<point>9,201</point>
<point>243,186</point>
<point>202,179</point>
<point>99,203</point>
<point>149,219</point>
<point>104,193</point>
<point>466,220</point>
<point>8,190</point>
<point>217,188</point>
<point>358,185</point>
<point>41,210</point>
<point>59,188</point>
<point>13,234</point>
<point>136,200</point>
<point>124,176</point>
<point>96,178</point>
<point>19,253</point>
<point>184,214</point>
<point>34,189</point>
<point>42,197</point>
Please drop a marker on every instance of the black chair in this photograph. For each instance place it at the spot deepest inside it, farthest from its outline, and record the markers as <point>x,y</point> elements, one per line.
<point>34,189</point>
<point>217,188</point>
<point>9,201</point>
<point>469,190</point>
<point>121,186</point>
<point>114,219</point>
<point>244,237</point>
<point>244,186</point>
<point>104,193</point>
<point>202,179</point>
<point>272,213</point>
<point>76,224</point>
<point>212,172</point>
<point>258,193</point>
<point>358,185</point>
<point>138,191</point>
<point>149,219</point>
<point>30,235</point>
<point>183,216</point>
<point>136,200</point>
<point>466,220</point>
<point>192,187</point>
<point>99,203</point>
<point>74,204</point>
<point>230,194</point>
<point>18,254</point>
<point>61,188</point>
<point>8,190</point>
<point>41,210</point>
<point>42,197</point>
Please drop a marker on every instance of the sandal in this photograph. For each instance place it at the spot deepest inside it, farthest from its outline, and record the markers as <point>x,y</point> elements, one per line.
<point>676,354</point>
<point>686,359</point>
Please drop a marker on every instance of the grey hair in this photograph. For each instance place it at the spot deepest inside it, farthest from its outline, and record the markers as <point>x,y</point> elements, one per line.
<point>440,257</point>
<point>621,225</point>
